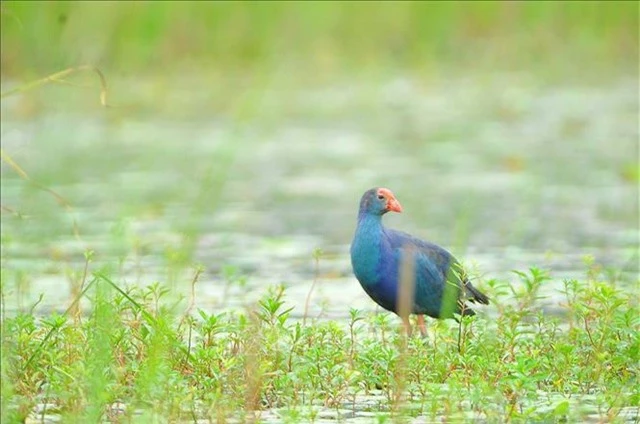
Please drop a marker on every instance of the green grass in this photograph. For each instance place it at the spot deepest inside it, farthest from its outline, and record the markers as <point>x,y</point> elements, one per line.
<point>231,38</point>
<point>165,362</point>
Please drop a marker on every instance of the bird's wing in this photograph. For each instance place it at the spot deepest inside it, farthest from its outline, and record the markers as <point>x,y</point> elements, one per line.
<point>438,276</point>
<point>432,257</point>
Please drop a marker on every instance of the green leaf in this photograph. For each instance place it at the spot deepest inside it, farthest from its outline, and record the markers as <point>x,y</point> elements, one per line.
<point>562,408</point>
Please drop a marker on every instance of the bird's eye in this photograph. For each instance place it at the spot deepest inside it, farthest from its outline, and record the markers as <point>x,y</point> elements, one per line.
<point>380,196</point>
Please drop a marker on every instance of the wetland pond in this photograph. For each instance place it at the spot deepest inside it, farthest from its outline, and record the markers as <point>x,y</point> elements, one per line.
<point>505,172</point>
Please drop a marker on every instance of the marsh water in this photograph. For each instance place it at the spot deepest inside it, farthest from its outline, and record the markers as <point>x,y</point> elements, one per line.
<point>505,172</point>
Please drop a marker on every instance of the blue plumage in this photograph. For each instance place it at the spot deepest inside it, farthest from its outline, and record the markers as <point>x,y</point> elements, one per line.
<point>378,255</point>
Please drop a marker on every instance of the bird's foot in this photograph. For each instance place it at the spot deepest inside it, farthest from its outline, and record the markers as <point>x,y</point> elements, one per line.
<point>422,326</point>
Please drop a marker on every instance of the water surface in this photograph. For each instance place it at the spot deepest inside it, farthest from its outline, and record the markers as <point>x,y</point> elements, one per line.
<point>503,170</point>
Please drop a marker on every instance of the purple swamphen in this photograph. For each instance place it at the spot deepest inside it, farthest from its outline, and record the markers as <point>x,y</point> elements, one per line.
<point>404,274</point>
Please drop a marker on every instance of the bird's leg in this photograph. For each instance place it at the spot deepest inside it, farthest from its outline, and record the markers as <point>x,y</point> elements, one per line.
<point>422,326</point>
<point>407,326</point>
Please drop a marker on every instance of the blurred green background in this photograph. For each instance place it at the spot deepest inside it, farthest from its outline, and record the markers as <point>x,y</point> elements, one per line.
<point>317,37</point>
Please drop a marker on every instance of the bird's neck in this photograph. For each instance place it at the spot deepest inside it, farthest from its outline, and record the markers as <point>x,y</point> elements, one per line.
<point>367,248</point>
<point>369,224</point>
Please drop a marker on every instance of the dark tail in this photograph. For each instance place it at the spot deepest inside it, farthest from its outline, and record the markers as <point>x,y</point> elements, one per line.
<point>475,295</point>
<point>463,310</point>
<point>466,311</point>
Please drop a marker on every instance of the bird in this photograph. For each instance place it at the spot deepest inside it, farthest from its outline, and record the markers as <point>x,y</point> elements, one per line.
<point>404,274</point>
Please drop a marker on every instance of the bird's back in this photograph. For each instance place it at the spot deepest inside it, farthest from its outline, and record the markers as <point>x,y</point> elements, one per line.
<point>439,257</point>
<point>441,285</point>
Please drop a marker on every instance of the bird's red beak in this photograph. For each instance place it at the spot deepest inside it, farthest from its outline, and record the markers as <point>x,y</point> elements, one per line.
<point>393,205</point>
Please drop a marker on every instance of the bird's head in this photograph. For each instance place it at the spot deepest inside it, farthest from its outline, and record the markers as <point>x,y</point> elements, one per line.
<point>379,201</point>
